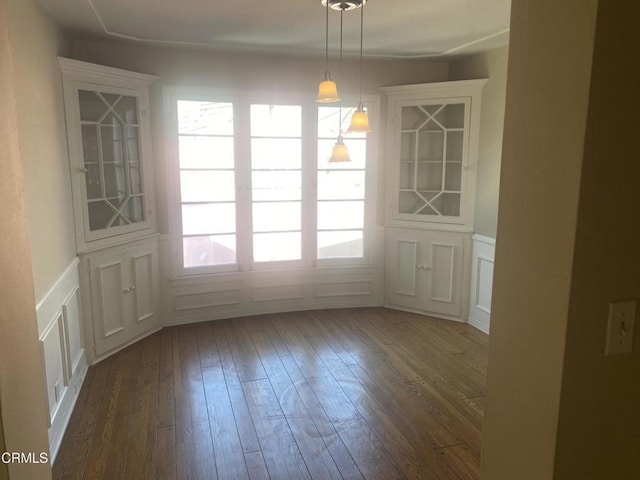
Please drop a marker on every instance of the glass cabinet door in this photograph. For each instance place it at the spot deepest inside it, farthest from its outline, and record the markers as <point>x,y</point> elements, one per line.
<point>430,176</point>
<point>110,129</point>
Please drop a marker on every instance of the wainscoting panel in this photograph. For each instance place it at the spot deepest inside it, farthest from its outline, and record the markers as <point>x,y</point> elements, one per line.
<point>226,295</point>
<point>61,337</point>
<point>481,282</point>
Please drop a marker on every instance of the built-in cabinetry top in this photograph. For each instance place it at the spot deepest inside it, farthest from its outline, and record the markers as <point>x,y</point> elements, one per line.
<point>432,154</point>
<point>107,114</point>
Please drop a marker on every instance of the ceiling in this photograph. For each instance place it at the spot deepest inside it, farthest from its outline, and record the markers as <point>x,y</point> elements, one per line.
<point>393,28</point>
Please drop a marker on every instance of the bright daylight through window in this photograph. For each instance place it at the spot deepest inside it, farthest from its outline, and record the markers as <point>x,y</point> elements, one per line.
<point>299,207</point>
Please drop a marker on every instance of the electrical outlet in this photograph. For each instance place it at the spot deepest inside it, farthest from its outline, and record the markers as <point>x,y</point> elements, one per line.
<point>622,321</point>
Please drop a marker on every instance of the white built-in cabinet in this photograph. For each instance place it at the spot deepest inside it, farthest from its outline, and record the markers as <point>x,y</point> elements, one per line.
<point>124,285</point>
<point>432,147</point>
<point>425,271</point>
<point>108,132</point>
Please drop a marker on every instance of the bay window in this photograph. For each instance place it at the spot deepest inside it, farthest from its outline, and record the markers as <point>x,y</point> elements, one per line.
<point>256,189</point>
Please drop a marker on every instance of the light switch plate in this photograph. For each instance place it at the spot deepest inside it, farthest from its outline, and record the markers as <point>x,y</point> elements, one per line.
<point>622,321</point>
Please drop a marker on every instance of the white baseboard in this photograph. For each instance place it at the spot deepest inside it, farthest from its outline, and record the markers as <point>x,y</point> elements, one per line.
<point>482,325</point>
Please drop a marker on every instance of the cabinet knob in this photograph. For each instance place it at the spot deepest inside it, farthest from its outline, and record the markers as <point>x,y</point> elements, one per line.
<point>424,267</point>
<point>130,289</point>
<point>83,170</point>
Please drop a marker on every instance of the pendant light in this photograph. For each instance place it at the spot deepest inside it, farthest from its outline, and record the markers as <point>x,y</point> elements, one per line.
<point>327,90</point>
<point>339,152</point>
<point>360,119</point>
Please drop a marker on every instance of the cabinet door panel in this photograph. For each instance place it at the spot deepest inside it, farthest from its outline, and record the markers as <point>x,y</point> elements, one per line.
<point>142,272</point>
<point>53,355</point>
<point>107,286</point>
<point>443,292</point>
<point>443,262</point>
<point>110,287</point>
<point>405,277</point>
<point>145,274</point>
<point>403,280</point>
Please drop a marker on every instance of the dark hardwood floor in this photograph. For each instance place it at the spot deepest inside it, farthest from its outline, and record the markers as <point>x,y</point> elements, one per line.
<point>351,393</point>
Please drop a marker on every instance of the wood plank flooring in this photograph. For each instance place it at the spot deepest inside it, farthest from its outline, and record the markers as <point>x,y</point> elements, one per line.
<point>353,393</point>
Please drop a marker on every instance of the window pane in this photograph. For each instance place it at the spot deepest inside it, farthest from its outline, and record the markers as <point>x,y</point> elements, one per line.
<point>276,185</point>
<point>206,152</point>
<point>340,215</point>
<point>209,250</point>
<point>276,120</point>
<point>340,185</point>
<point>357,152</point>
<point>207,185</point>
<point>208,218</point>
<point>205,118</point>
<point>272,217</point>
<point>276,153</point>
<point>269,247</point>
<point>340,244</point>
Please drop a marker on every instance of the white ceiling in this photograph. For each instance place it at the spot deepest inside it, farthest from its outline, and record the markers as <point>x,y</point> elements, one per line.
<point>393,28</point>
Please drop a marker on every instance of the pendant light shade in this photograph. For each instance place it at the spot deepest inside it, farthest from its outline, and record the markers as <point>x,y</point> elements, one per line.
<point>359,121</point>
<point>339,154</point>
<point>327,90</point>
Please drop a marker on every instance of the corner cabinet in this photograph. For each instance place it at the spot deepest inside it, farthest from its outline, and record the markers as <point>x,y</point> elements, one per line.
<point>432,154</point>
<point>108,133</point>
<point>111,168</point>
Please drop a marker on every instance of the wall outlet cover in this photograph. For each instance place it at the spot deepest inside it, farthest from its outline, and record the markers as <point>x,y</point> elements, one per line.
<point>621,326</point>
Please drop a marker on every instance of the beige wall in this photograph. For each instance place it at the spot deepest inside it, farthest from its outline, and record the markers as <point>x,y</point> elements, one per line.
<point>35,43</point>
<point>599,428</point>
<point>22,382</point>
<point>4,471</point>
<point>242,72</point>
<point>544,129</point>
<point>491,65</point>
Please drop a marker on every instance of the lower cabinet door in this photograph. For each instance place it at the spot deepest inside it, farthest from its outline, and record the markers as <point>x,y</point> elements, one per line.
<point>443,275</point>
<point>124,286</point>
<point>108,290</point>
<point>144,288</point>
<point>404,285</point>
<point>425,271</point>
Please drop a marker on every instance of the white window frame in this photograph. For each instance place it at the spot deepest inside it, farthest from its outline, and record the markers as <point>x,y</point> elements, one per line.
<point>242,151</point>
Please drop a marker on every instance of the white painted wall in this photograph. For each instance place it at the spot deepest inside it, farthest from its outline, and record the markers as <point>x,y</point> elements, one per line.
<point>36,41</point>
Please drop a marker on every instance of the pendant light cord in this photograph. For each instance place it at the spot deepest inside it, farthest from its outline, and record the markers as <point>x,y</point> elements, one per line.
<point>340,74</point>
<point>361,40</point>
<point>326,41</point>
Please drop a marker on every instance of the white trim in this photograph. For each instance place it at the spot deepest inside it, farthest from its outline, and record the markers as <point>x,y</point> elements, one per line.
<point>211,297</point>
<point>53,312</point>
<point>436,88</point>
<point>481,238</point>
<point>69,65</point>
<point>482,259</point>
<point>52,301</point>
<point>257,49</point>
